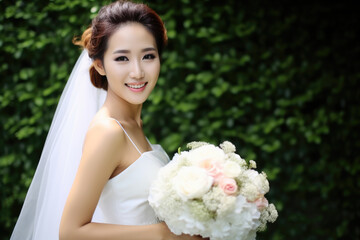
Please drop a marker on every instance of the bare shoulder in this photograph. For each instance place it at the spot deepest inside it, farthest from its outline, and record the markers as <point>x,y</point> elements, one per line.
<point>104,127</point>
<point>105,138</point>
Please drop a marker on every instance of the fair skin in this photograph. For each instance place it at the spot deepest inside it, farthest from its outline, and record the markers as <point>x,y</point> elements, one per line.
<point>131,64</point>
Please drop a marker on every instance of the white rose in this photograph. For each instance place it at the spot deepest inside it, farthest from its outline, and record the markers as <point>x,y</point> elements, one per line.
<point>208,152</point>
<point>192,182</point>
<point>231,169</point>
<point>259,180</point>
<point>251,174</point>
<point>262,183</point>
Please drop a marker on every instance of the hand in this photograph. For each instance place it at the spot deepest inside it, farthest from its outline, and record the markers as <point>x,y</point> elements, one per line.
<point>168,235</point>
<point>188,237</point>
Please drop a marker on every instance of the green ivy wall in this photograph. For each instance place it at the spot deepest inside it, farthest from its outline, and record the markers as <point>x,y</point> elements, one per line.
<point>280,80</point>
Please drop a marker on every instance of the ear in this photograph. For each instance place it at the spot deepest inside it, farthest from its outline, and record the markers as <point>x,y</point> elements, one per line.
<point>99,67</point>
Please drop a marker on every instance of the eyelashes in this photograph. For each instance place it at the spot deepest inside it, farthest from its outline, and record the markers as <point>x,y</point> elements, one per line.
<point>121,59</point>
<point>124,58</point>
<point>149,56</point>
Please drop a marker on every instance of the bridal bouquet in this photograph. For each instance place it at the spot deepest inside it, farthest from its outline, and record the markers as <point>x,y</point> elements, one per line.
<point>211,191</point>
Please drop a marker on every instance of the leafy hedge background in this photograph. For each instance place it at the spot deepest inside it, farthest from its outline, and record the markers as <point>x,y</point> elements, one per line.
<point>280,80</point>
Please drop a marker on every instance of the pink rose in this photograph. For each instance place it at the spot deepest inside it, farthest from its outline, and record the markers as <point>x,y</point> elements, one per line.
<point>228,185</point>
<point>213,168</point>
<point>261,203</point>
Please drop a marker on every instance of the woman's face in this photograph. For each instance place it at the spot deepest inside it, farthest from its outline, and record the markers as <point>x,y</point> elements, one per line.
<point>131,63</point>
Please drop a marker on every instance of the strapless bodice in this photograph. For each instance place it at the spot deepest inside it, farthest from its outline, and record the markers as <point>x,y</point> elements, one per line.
<point>124,197</point>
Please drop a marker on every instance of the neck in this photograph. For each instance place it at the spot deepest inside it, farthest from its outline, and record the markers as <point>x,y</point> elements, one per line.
<point>122,110</point>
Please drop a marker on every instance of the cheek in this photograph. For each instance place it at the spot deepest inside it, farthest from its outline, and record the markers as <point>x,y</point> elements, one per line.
<point>154,70</point>
<point>114,70</point>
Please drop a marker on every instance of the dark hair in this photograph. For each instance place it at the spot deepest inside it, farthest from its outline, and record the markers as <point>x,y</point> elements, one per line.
<point>109,19</point>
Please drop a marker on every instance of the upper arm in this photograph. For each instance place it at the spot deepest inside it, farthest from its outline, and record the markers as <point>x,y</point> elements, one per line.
<point>101,155</point>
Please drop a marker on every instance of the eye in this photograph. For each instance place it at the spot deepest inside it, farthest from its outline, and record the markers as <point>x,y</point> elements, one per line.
<point>149,56</point>
<point>121,59</point>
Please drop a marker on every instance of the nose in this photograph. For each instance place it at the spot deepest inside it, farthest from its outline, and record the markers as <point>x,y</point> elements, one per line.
<point>137,71</point>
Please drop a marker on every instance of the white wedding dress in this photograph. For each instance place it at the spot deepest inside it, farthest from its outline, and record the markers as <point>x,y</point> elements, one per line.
<point>124,199</point>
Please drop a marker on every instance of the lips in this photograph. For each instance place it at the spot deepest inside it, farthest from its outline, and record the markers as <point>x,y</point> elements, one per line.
<point>136,87</point>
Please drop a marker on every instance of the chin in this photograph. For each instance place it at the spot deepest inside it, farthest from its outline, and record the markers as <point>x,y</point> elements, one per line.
<point>137,101</point>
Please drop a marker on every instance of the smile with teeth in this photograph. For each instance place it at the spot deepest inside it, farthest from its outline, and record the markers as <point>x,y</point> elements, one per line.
<point>135,86</point>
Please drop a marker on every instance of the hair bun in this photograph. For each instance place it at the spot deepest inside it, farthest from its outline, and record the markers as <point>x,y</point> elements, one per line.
<point>84,41</point>
<point>97,80</point>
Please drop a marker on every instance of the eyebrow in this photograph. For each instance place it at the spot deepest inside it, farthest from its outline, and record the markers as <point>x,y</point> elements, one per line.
<point>128,51</point>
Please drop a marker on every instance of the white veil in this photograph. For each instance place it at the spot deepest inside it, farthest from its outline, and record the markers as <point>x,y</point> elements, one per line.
<point>41,213</point>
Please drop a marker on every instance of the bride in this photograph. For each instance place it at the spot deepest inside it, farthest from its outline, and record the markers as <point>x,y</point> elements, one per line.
<point>96,168</point>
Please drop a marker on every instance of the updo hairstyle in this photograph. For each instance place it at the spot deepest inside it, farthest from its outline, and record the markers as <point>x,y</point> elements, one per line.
<point>109,19</point>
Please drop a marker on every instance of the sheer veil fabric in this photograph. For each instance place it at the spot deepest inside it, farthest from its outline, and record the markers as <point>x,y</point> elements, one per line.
<point>41,213</point>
